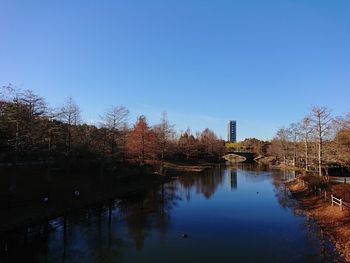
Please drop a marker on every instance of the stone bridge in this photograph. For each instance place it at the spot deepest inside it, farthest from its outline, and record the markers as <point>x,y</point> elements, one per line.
<point>239,156</point>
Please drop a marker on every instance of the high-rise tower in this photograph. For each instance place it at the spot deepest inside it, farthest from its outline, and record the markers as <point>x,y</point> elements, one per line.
<point>232,132</point>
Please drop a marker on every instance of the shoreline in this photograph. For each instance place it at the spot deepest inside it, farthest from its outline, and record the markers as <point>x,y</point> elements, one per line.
<point>330,219</point>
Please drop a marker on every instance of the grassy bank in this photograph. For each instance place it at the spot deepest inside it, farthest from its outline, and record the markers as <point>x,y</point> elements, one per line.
<point>331,219</point>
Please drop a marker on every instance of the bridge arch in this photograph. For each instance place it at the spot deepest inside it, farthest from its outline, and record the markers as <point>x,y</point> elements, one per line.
<point>235,156</point>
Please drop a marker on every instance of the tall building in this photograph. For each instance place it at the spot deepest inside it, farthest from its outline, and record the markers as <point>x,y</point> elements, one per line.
<point>232,132</point>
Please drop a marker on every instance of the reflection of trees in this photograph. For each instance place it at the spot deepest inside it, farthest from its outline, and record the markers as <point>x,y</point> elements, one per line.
<point>282,193</point>
<point>152,209</point>
<point>92,234</point>
<point>92,229</point>
<point>136,218</point>
<point>143,212</point>
<point>205,183</point>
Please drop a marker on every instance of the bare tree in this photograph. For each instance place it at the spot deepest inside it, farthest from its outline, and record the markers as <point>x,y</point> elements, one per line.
<point>293,131</point>
<point>283,137</point>
<point>35,111</point>
<point>7,92</point>
<point>114,120</point>
<point>11,119</point>
<point>305,133</point>
<point>35,104</point>
<point>343,122</point>
<point>70,115</point>
<point>321,119</point>
<point>164,133</point>
<point>123,140</point>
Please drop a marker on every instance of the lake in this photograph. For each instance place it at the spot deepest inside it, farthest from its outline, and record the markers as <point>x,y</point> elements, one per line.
<point>227,214</point>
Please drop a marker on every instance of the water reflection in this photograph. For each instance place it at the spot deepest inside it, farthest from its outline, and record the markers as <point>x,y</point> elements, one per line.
<point>205,184</point>
<point>225,223</point>
<point>232,182</point>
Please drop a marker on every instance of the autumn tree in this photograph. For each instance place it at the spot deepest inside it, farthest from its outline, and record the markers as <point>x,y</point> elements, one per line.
<point>342,144</point>
<point>342,140</point>
<point>255,145</point>
<point>188,144</point>
<point>210,145</point>
<point>207,139</point>
<point>140,140</point>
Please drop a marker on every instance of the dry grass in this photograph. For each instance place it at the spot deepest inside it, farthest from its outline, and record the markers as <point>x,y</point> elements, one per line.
<point>334,222</point>
<point>342,190</point>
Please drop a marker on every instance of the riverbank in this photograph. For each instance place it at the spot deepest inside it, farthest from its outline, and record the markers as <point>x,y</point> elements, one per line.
<point>334,222</point>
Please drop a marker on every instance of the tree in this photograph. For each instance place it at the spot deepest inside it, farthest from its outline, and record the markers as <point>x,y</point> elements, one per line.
<point>219,148</point>
<point>342,145</point>
<point>293,131</point>
<point>207,139</point>
<point>283,138</point>
<point>321,120</point>
<point>253,144</point>
<point>70,115</point>
<point>188,144</point>
<point>210,145</point>
<point>114,120</point>
<point>35,124</point>
<point>164,132</point>
<point>35,104</point>
<point>13,122</point>
<point>343,122</point>
<point>140,140</point>
<point>305,132</point>
<point>342,140</point>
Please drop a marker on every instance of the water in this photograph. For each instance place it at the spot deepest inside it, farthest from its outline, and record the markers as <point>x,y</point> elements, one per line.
<point>232,214</point>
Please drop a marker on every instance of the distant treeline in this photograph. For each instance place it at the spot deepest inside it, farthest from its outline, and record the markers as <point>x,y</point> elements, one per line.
<point>33,132</point>
<point>318,143</point>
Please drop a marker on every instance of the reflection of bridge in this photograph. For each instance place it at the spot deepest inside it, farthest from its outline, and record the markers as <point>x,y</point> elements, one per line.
<point>239,156</point>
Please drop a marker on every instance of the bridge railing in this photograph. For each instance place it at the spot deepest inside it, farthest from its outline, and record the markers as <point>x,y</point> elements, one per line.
<point>239,151</point>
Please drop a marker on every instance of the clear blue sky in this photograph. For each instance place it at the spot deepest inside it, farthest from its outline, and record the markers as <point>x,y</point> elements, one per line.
<point>262,63</point>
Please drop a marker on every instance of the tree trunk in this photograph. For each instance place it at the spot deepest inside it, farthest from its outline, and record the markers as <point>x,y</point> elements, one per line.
<point>320,157</point>
<point>306,155</point>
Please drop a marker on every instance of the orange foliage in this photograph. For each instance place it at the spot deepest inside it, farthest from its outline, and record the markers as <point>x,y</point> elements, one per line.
<point>141,141</point>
